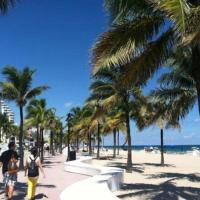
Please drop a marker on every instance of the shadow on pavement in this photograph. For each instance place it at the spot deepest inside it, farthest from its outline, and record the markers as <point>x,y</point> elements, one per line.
<point>47,186</point>
<point>20,191</point>
<point>41,196</point>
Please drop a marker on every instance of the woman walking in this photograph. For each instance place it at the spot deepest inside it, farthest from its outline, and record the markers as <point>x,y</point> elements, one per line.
<point>33,164</point>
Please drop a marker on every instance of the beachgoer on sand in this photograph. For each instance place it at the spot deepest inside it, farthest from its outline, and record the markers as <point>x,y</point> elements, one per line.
<point>8,161</point>
<point>33,164</point>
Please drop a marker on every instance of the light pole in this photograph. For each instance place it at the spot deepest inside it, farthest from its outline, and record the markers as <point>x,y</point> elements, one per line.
<point>69,117</point>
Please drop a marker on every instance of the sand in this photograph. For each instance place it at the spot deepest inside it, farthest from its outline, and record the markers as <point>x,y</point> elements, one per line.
<point>178,179</point>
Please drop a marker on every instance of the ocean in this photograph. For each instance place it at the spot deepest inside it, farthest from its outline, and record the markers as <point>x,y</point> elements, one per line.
<point>168,148</point>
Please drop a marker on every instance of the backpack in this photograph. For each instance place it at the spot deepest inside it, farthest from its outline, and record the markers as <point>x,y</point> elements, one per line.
<point>33,169</point>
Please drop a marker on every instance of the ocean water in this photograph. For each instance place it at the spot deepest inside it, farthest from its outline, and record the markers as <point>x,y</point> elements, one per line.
<point>167,148</point>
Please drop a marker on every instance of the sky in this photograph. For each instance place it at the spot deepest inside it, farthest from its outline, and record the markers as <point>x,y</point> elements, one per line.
<point>55,38</point>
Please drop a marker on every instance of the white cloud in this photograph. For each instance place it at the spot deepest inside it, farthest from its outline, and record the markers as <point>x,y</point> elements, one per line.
<point>68,104</point>
<point>191,135</point>
<point>197,120</point>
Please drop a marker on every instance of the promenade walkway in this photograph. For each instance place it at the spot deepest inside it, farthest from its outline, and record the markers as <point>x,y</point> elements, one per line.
<point>50,187</point>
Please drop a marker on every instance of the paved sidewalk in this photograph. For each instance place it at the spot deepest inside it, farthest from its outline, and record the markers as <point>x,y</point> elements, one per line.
<point>50,187</point>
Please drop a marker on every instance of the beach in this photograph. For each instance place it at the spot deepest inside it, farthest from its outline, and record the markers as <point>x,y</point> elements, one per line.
<point>178,179</point>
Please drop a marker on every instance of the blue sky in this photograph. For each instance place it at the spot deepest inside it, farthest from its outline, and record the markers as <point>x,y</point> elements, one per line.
<point>55,37</point>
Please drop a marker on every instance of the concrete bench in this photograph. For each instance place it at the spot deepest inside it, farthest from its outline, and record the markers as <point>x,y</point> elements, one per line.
<point>98,187</point>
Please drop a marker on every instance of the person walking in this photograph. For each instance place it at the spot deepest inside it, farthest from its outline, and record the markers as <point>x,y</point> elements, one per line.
<point>8,162</point>
<point>33,164</point>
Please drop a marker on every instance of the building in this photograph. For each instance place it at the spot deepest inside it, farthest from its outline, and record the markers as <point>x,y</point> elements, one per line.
<point>5,109</point>
<point>9,113</point>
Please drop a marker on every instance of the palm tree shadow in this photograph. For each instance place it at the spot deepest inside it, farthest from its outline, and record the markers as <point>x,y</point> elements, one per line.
<point>47,186</point>
<point>175,176</point>
<point>1,188</point>
<point>163,191</point>
<point>134,168</point>
<point>41,196</point>
<point>20,191</point>
<point>157,165</point>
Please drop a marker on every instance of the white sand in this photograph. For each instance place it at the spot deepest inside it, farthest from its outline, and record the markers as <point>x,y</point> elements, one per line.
<point>179,179</point>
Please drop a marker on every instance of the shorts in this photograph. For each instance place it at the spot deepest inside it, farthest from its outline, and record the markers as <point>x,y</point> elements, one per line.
<point>9,179</point>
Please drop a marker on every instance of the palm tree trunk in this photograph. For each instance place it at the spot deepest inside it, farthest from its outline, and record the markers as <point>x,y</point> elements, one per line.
<point>90,143</point>
<point>77,143</point>
<point>117,141</point>
<point>162,147</point>
<point>51,142</point>
<point>61,141</point>
<point>129,158</point>
<point>98,140</point>
<point>196,70</point>
<point>0,134</point>
<point>198,93</point>
<point>68,145</point>
<point>37,138</point>
<point>21,151</point>
<point>114,143</point>
<point>42,145</point>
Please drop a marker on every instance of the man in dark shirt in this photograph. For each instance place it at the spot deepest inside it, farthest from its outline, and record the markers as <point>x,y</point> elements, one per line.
<point>9,176</point>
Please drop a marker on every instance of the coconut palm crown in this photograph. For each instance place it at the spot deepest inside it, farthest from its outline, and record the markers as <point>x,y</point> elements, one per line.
<point>17,87</point>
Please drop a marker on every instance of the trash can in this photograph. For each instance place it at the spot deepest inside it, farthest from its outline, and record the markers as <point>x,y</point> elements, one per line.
<point>72,155</point>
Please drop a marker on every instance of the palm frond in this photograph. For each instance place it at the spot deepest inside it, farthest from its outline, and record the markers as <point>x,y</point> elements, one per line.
<point>12,75</point>
<point>140,69</point>
<point>117,46</point>
<point>35,91</point>
<point>6,4</point>
<point>26,76</point>
<point>177,79</point>
<point>8,91</point>
<point>120,9</point>
<point>176,10</point>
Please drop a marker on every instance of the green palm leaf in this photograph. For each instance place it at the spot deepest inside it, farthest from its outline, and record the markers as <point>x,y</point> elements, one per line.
<point>35,92</point>
<point>176,10</point>
<point>140,69</point>
<point>120,9</point>
<point>5,4</point>
<point>117,46</point>
<point>8,91</point>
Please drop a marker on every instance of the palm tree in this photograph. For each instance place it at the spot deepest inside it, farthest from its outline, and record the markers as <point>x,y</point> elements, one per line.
<point>178,88</point>
<point>108,85</point>
<point>5,125</point>
<point>143,33</point>
<point>41,117</point>
<point>182,73</point>
<point>114,122</point>
<point>156,111</point>
<point>77,114</point>
<point>92,117</point>
<point>17,87</point>
<point>35,115</point>
<point>134,40</point>
<point>58,130</point>
<point>51,123</point>
<point>82,123</point>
